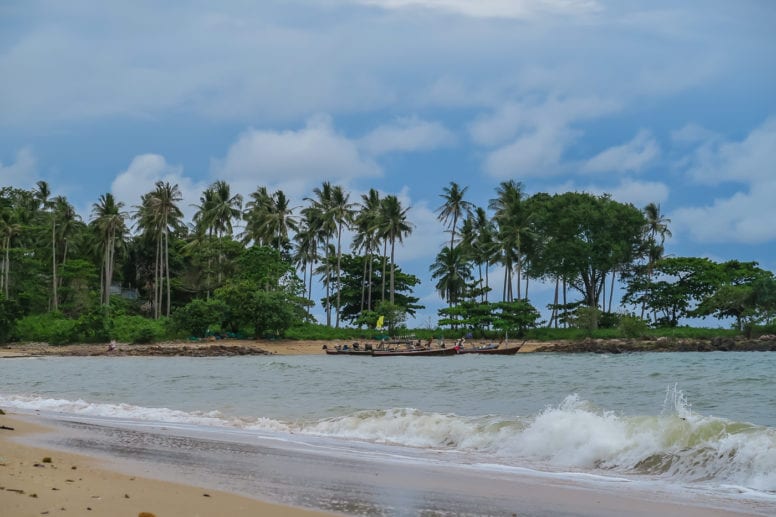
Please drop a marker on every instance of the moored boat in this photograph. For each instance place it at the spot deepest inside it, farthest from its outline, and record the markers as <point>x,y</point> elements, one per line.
<point>330,351</point>
<point>424,352</point>
<point>492,350</point>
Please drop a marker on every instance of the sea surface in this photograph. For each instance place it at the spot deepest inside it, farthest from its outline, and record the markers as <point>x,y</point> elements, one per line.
<point>703,422</point>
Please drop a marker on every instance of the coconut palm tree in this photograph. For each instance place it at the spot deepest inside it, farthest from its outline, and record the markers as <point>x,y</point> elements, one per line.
<point>342,213</point>
<point>9,228</point>
<point>109,222</point>
<point>306,250</point>
<point>326,226</point>
<point>454,208</point>
<point>452,273</point>
<point>395,227</point>
<point>159,214</point>
<point>279,219</point>
<point>656,228</point>
<point>255,215</point>
<point>514,230</point>
<point>367,240</point>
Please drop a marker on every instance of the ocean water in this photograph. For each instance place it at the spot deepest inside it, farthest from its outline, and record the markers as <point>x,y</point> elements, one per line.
<point>704,421</point>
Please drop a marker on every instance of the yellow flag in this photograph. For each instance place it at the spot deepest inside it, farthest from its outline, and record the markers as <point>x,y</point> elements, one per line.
<point>380,321</point>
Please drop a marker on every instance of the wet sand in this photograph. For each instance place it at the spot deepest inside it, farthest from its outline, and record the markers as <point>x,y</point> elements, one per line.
<point>39,481</point>
<point>297,471</point>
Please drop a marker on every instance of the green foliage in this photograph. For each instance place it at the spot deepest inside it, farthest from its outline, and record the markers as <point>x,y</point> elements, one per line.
<point>10,311</point>
<point>633,326</point>
<point>94,326</point>
<point>52,328</point>
<point>354,290</point>
<point>264,311</point>
<point>586,318</point>
<point>393,315</point>
<point>198,316</point>
<point>137,329</point>
<point>512,318</point>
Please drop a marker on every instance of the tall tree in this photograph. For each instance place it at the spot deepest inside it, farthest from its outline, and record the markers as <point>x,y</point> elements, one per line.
<point>395,227</point>
<point>326,227</point>
<point>109,222</point>
<point>452,274</point>
<point>656,230</point>
<point>159,214</point>
<point>454,208</point>
<point>367,239</point>
<point>342,214</point>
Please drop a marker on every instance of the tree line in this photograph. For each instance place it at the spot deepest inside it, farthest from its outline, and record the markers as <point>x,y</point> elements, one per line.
<point>266,252</point>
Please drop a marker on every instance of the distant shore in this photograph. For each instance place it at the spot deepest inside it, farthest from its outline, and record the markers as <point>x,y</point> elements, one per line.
<point>245,347</point>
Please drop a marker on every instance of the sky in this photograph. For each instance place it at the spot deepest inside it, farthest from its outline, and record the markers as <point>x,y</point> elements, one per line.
<point>671,102</point>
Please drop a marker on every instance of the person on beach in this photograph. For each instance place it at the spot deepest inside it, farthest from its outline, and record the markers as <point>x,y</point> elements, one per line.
<point>112,345</point>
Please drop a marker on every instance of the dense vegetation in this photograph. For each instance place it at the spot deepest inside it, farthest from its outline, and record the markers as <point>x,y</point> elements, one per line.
<point>142,273</point>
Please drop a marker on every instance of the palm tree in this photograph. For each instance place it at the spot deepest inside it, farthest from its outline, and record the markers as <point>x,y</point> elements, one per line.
<point>452,273</point>
<point>255,215</point>
<point>395,227</point>
<point>159,214</point>
<point>42,194</point>
<point>514,223</point>
<point>64,214</point>
<point>367,238</point>
<point>342,215</point>
<point>9,228</point>
<point>279,219</point>
<point>454,208</point>
<point>657,227</point>
<point>306,251</point>
<point>108,220</point>
<point>326,226</point>
<point>486,246</point>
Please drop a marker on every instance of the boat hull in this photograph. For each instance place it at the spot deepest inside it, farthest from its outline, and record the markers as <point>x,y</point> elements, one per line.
<point>490,351</point>
<point>419,353</point>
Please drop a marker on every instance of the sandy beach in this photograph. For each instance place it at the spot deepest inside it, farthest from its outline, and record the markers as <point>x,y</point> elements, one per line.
<point>279,347</point>
<point>41,481</point>
<point>36,482</point>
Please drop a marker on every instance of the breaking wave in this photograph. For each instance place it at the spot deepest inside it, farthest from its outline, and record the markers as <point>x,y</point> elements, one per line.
<point>675,445</point>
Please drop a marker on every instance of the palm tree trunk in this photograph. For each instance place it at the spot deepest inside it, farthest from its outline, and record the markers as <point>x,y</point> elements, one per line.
<point>393,266</point>
<point>54,261</point>
<point>363,280</point>
<point>157,276</point>
<point>369,286</point>
<point>487,281</point>
<point>167,267</point>
<point>310,289</point>
<point>385,258</point>
<point>339,273</point>
<point>611,288</point>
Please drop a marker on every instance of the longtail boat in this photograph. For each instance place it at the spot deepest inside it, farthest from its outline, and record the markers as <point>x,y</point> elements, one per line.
<point>426,352</point>
<point>494,350</point>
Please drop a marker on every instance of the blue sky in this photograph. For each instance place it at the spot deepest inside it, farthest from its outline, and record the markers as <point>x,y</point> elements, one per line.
<point>670,102</point>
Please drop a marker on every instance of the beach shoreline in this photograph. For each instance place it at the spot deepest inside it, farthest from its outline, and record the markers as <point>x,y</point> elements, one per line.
<point>104,481</point>
<point>247,347</point>
<point>40,481</point>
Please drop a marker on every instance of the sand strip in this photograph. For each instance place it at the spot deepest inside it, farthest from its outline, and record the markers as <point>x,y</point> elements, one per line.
<point>36,482</point>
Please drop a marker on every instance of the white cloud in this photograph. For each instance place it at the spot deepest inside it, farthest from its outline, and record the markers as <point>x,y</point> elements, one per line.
<point>638,193</point>
<point>632,156</point>
<point>750,160</point>
<point>692,134</point>
<point>142,174</point>
<point>747,215</point>
<point>22,173</point>
<point>294,161</point>
<point>407,134</point>
<point>744,217</point>
<point>533,136</point>
<point>495,8</point>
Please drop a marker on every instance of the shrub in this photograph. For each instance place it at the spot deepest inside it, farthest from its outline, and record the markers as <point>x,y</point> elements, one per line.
<point>50,328</point>
<point>632,326</point>
<point>137,329</point>
<point>197,316</point>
